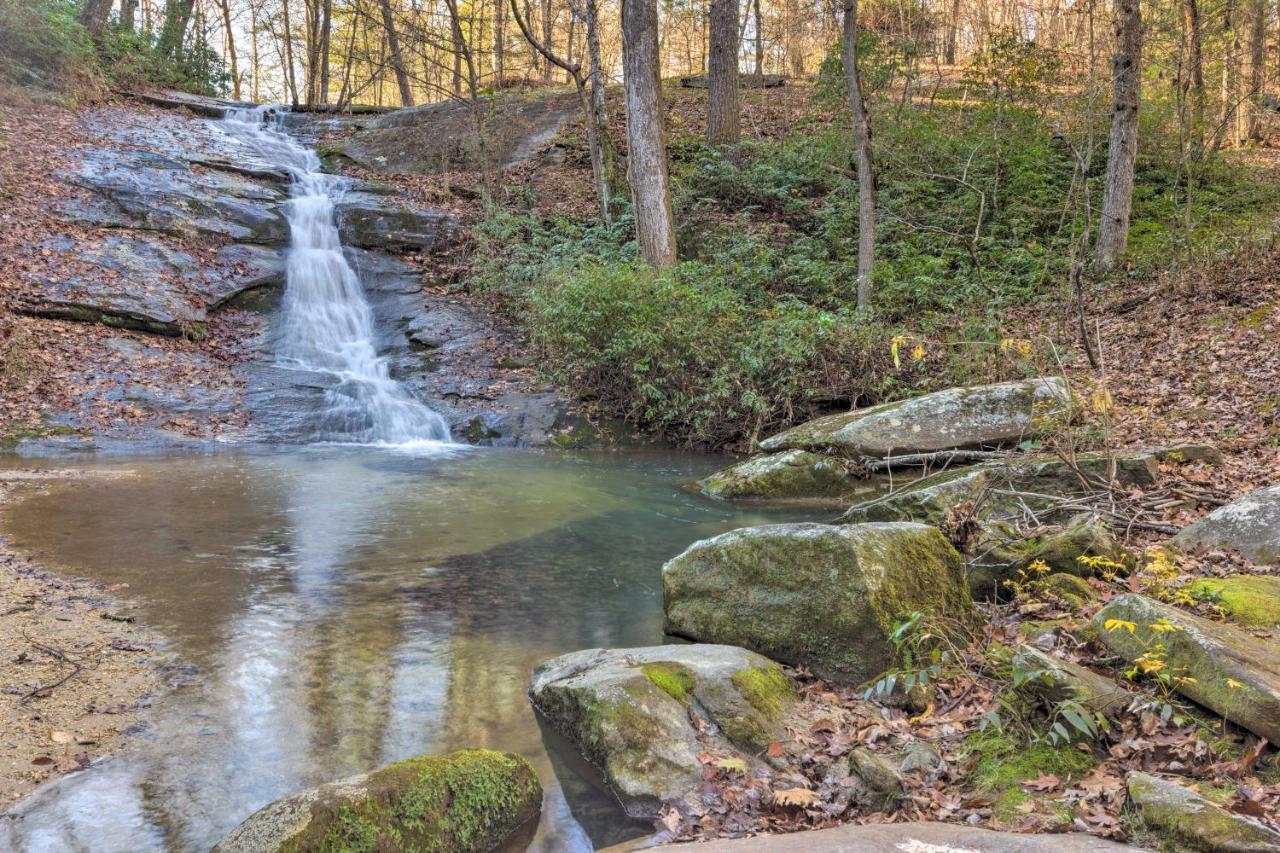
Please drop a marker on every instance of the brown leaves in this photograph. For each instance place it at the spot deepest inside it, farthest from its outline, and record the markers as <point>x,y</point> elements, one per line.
<point>798,797</point>
<point>1044,782</point>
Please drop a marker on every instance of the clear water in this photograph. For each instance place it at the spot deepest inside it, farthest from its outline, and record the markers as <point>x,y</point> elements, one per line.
<point>347,607</point>
<point>327,322</point>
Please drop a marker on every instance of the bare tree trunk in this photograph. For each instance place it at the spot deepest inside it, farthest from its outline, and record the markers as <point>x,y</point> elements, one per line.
<point>177,16</point>
<point>291,76</point>
<point>94,15</point>
<point>233,65</point>
<point>548,36</point>
<point>759,39</point>
<point>128,14</point>
<point>255,57</point>
<point>1122,147</point>
<point>722,79</point>
<point>326,28</point>
<point>862,152</point>
<point>1195,58</point>
<point>499,40</point>
<point>646,143</point>
<point>397,57</point>
<point>1257,58</point>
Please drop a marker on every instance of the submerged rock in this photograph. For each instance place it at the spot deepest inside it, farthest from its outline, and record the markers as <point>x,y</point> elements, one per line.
<point>1250,525</point>
<point>924,837</point>
<point>791,474</point>
<point>823,596</point>
<point>980,416</point>
<point>1056,680</point>
<point>1249,600</point>
<point>629,712</point>
<point>472,800</point>
<point>1222,667</point>
<point>1189,818</point>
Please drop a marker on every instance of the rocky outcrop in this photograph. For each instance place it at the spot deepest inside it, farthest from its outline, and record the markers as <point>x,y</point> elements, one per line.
<point>374,221</point>
<point>925,837</point>
<point>1188,818</point>
<point>630,712</point>
<point>1223,668</point>
<point>984,416</point>
<point>472,800</point>
<point>792,474</point>
<point>818,595</point>
<point>1250,525</point>
<point>1252,601</point>
<point>1056,680</point>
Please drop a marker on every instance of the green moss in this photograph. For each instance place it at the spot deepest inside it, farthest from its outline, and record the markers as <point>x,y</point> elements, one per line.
<point>671,678</point>
<point>476,432</point>
<point>1251,600</point>
<point>767,689</point>
<point>1004,763</point>
<point>465,801</point>
<point>1072,590</point>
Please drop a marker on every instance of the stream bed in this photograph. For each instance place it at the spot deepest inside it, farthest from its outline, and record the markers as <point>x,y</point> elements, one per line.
<point>346,607</point>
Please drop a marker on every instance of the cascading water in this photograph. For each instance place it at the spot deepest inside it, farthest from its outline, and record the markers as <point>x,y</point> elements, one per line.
<point>328,325</point>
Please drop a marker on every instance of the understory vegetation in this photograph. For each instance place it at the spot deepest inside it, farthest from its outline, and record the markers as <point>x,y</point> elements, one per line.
<point>984,193</point>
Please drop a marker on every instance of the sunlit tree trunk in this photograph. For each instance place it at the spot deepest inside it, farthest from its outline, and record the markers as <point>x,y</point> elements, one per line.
<point>1195,59</point>
<point>759,39</point>
<point>1122,146</point>
<point>862,154</point>
<point>647,154</point>
<point>1257,59</point>
<point>233,66</point>
<point>177,16</point>
<point>722,79</point>
<point>397,56</point>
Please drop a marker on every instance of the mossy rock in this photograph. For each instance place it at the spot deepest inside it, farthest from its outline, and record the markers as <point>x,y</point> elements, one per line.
<point>1250,525</point>
<point>1185,817</point>
<point>1074,592</point>
<point>1003,763</point>
<point>1249,600</point>
<point>628,711</point>
<point>793,474</point>
<point>1000,560</point>
<point>1057,681</point>
<point>472,800</point>
<point>1218,665</point>
<point>823,596</point>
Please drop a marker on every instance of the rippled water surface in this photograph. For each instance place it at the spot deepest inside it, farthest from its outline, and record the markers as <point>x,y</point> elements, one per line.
<point>349,607</point>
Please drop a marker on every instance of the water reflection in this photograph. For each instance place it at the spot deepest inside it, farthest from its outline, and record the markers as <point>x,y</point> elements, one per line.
<point>348,608</point>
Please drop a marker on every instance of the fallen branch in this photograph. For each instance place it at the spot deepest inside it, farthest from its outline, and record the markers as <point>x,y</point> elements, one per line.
<point>945,457</point>
<point>59,655</point>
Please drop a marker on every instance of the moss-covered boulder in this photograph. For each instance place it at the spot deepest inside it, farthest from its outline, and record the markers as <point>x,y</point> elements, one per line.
<point>1220,666</point>
<point>1056,680</point>
<point>789,475</point>
<point>980,416</point>
<point>629,711</point>
<point>1184,817</point>
<point>1250,525</point>
<point>1071,591</point>
<point>825,596</point>
<point>1249,600</point>
<point>999,555</point>
<point>472,800</point>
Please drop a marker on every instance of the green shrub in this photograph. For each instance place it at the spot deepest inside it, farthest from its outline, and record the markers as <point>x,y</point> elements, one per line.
<point>43,45</point>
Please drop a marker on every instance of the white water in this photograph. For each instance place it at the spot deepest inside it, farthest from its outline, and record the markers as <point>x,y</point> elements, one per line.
<point>328,325</point>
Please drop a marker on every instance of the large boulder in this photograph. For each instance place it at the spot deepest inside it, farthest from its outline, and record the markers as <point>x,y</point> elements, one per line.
<point>1250,525</point>
<point>924,837</point>
<point>630,711</point>
<point>1220,666</point>
<point>1000,553</point>
<point>823,596</point>
<point>982,416</point>
<point>793,474</point>
<point>373,221</point>
<point>472,800</point>
<point>1188,818</point>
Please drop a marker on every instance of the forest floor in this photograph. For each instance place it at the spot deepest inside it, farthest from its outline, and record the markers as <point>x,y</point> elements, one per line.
<point>78,672</point>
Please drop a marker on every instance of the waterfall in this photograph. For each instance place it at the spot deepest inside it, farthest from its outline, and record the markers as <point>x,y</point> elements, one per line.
<point>328,324</point>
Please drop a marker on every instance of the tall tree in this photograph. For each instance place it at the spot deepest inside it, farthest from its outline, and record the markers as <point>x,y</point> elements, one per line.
<point>722,74</point>
<point>128,13</point>
<point>177,16</point>
<point>862,154</point>
<point>1257,58</point>
<point>1122,145</point>
<point>397,56</point>
<point>1195,58</point>
<point>94,15</point>
<point>224,6</point>
<point>646,143</point>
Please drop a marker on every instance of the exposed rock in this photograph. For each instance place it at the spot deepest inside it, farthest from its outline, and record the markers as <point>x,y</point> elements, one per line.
<point>198,104</point>
<point>878,773</point>
<point>1249,600</point>
<point>142,189</point>
<point>628,710</point>
<point>1173,810</point>
<point>1224,668</point>
<point>925,837</point>
<point>470,800</point>
<point>976,417</point>
<point>791,474</point>
<point>1056,680</point>
<point>377,222</point>
<point>441,137</point>
<point>999,556</point>
<point>825,596</point>
<point>920,757</point>
<point>1072,591</point>
<point>1250,525</point>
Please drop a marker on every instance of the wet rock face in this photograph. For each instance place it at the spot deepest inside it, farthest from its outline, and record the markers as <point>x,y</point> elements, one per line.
<point>1223,668</point>
<point>1250,525</point>
<point>1186,817</point>
<point>629,712</point>
<point>975,417</point>
<point>824,596</point>
<point>373,221</point>
<point>471,800</point>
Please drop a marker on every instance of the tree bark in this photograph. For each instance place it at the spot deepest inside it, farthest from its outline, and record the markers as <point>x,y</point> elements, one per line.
<point>224,6</point>
<point>1122,146</point>
<point>862,153</point>
<point>326,30</point>
<point>128,15</point>
<point>177,16</point>
<point>94,15</point>
<point>953,30</point>
<point>647,153</point>
<point>1257,58</point>
<point>1195,57</point>
<point>723,109</point>
<point>759,72</point>
<point>397,57</point>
